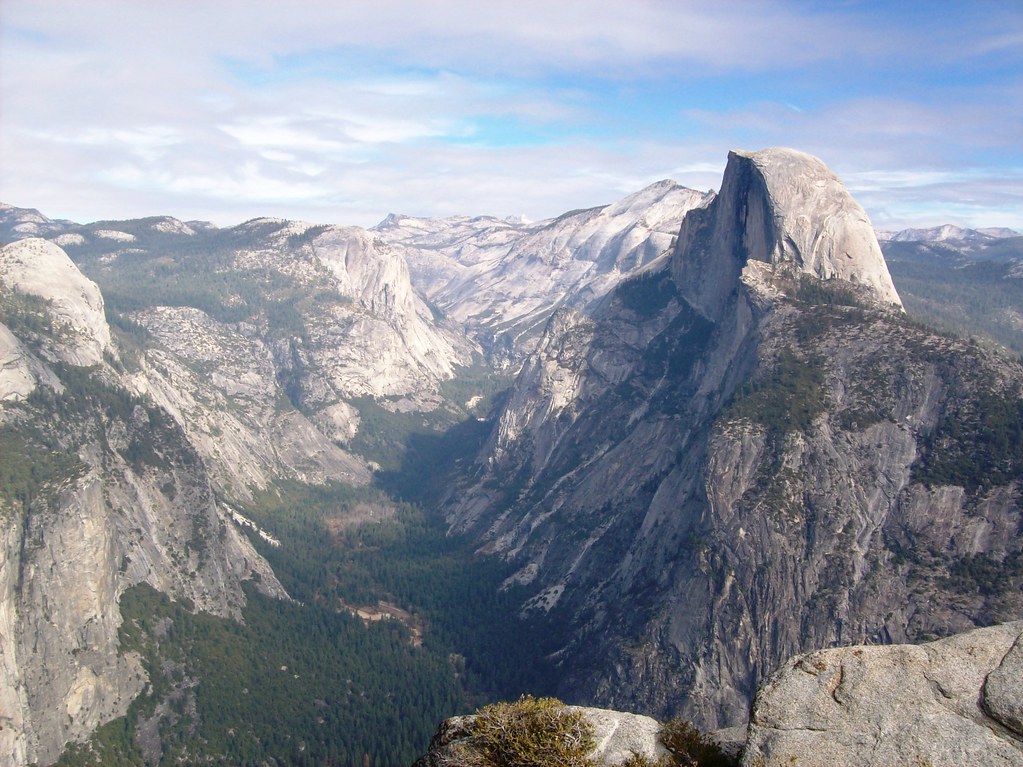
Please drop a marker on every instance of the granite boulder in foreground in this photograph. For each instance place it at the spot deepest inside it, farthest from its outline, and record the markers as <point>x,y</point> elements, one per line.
<point>952,702</point>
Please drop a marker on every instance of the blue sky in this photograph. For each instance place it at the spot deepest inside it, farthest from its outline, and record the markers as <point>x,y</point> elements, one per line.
<point>341,111</point>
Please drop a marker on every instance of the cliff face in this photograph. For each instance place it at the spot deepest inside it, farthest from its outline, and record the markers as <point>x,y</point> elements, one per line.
<point>79,334</point>
<point>69,552</point>
<point>748,452</point>
<point>101,490</point>
<point>222,384</point>
<point>786,211</point>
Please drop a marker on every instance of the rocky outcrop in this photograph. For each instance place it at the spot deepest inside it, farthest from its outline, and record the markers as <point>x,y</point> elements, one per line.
<point>951,702</point>
<point>1002,698</point>
<point>394,345</point>
<point>354,326</point>
<point>945,703</point>
<point>19,369</point>
<point>222,385</point>
<point>73,303</point>
<point>747,452</point>
<point>784,209</point>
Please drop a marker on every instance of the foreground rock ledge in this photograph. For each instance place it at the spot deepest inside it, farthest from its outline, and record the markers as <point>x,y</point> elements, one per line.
<point>952,702</point>
<point>617,736</point>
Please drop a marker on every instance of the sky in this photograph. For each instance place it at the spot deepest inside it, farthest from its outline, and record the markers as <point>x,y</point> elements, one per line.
<point>342,111</point>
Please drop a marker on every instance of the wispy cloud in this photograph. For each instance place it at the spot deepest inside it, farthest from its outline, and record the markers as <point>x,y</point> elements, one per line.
<point>344,111</point>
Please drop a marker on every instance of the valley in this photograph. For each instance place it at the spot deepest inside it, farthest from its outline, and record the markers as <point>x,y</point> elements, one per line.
<point>292,493</point>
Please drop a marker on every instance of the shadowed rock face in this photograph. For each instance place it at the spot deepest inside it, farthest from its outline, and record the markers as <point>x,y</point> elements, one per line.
<point>739,457</point>
<point>926,704</point>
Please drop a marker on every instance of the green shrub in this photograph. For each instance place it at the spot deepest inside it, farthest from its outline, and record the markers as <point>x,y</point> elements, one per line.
<point>787,397</point>
<point>691,748</point>
<point>688,747</point>
<point>543,732</point>
<point>532,732</point>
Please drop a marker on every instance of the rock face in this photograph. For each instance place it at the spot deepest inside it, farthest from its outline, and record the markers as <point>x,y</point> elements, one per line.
<point>394,345</point>
<point>784,209</point>
<point>946,703</point>
<point>222,385</point>
<point>38,268</point>
<point>19,369</point>
<point>131,504</point>
<point>102,490</point>
<point>362,330</point>
<point>747,452</point>
<point>1002,696</point>
<point>503,279</point>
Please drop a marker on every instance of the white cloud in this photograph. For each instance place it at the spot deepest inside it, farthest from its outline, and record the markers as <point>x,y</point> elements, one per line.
<point>266,133</point>
<point>343,111</point>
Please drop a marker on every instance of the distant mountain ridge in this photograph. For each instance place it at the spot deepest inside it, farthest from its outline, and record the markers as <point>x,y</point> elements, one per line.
<point>947,232</point>
<point>963,281</point>
<point>503,279</point>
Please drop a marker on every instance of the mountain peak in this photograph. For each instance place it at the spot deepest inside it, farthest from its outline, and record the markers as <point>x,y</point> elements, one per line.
<point>784,208</point>
<point>39,268</point>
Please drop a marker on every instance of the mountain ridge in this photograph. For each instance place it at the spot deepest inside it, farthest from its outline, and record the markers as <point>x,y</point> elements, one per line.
<point>101,491</point>
<point>503,280</point>
<point>722,419</point>
<point>709,442</point>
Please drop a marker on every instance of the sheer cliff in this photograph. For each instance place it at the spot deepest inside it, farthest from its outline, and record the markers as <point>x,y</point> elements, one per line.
<point>748,451</point>
<point>101,490</point>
